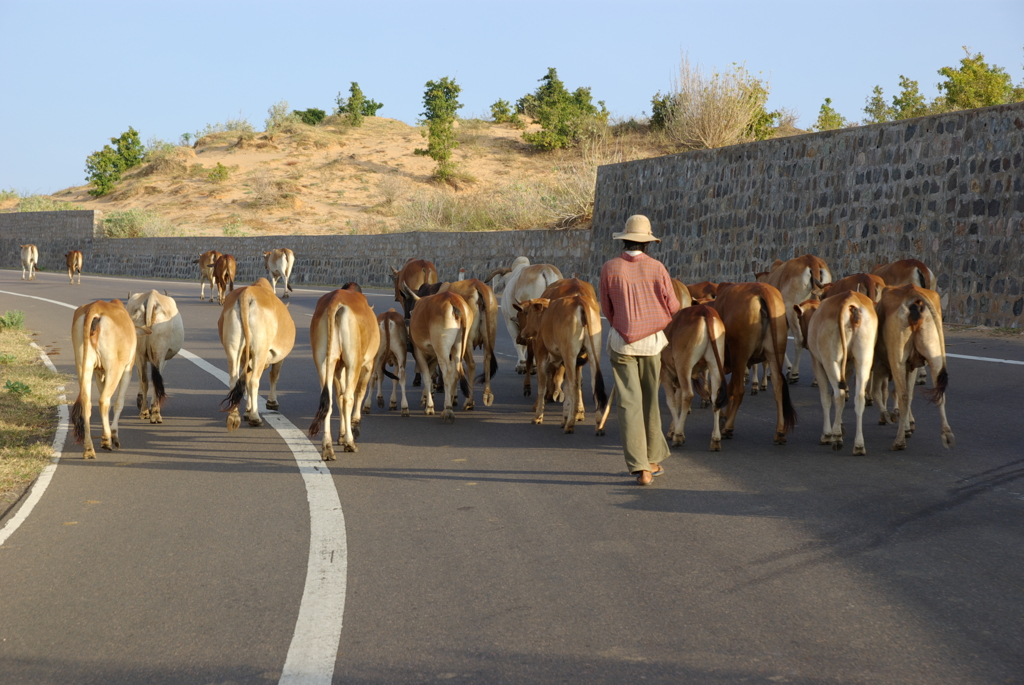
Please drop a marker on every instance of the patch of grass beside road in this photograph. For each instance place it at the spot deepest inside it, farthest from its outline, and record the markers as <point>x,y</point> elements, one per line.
<point>28,413</point>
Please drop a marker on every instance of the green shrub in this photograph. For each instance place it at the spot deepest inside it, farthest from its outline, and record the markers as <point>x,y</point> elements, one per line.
<point>134,223</point>
<point>501,112</point>
<point>45,203</point>
<point>17,387</point>
<point>441,102</point>
<point>11,194</point>
<point>13,319</point>
<point>311,116</point>
<point>104,167</point>
<point>370,107</point>
<point>218,174</point>
<point>155,147</point>
<point>661,110</point>
<point>278,115</point>
<point>828,118</point>
<point>356,105</point>
<point>237,125</point>
<point>977,84</point>
<point>564,117</point>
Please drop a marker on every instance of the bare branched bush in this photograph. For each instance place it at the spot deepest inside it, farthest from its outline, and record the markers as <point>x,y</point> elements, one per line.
<point>264,191</point>
<point>713,109</point>
<point>573,200</point>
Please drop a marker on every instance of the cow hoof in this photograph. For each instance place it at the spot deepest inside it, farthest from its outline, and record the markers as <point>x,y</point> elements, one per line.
<point>521,368</point>
<point>527,391</point>
<point>448,416</point>
<point>380,402</point>
<point>538,420</point>
<point>355,430</point>
<point>727,434</point>
<point>793,380</point>
<point>429,411</point>
<point>417,381</point>
<point>138,402</point>
<point>921,381</point>
<point>366,409</point>
<point>704,404</point>
<point>405,411</point>
<point>155,418</point>
<point>569,428</point>
<point>488,398</point>
<point>780,439</point>
<point>753,391</point>
<point>825,439</point>
<point>764,387</point>
<point>392,407</point>
<point>89,453</point>
<point>350,447</point>
<point>678,440</point>
<point>143,415</point>
<point>255,423</point>
<point>328,452</point>
<point>105,444</point>
<point>868,402</point>
<point>273,405</point>
<point>468,406</point>
<point>897,446</point>
<point>859,451</point>
<point>837,445</point>
<point>599,432</point>
<point>716,445</point>
<point>233,422</point>
<point>948,440</point>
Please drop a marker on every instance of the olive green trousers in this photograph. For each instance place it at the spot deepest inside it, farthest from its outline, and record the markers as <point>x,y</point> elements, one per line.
<point>636,384</point>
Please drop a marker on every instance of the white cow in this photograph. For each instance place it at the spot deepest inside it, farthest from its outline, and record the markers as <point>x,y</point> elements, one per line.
<point>159,313</point>
<point>522,282</point>
<point>279,263</point>
<point>29,259</point>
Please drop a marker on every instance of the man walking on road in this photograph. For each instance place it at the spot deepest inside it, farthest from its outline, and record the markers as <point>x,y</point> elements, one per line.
<point>638,300</point>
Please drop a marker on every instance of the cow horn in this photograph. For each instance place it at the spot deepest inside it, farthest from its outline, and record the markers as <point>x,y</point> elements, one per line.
<point>816,283</point>
<point>409,291</point>
<point>497,272</point>
<point>393,270</point>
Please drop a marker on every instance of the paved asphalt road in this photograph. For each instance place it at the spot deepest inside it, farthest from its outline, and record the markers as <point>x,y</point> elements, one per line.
<point>493,550</point>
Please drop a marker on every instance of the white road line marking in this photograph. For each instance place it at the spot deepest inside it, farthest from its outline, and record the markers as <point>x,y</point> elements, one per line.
<point>985,359</point>
<point>314,646</point>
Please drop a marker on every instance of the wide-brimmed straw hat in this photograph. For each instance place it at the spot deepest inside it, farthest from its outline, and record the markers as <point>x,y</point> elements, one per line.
<point>638,230</point>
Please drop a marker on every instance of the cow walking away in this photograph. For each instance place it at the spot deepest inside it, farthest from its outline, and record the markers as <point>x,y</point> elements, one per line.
<point>868,284</point>
<point>414,274</point>
<point>206,262</point>
<point>159,314</point>
<point>439,328</point>
<point>909,336</point>
<point>906,272</point>
<point>755,331</point>
<point>74,261</point>
<point>224,276</point>
<point>345,340</point>
<point>392,351</point>
<point>682,293</point>
<point>841,337</point>
<point>104,339</point>
<point>797,279</point>
<point>256,331</point>
<point>523,281</point>
<point>696,348</point>
<point>279,264</point>
<point>29,259</point>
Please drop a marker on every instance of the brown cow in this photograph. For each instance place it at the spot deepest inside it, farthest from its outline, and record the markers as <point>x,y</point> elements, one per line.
<point>392,351</point>
<point>256,331</point>
<point>906,272</point>
<point>696,343</point>
<point>414,274</point>
<point>868,284</point>
<point>345,338</point>
<point>29,259</point>
<point>755,331</point>
<point>206,262</point>
<point>682,293</point>
<point>104,339</point>
<point>74,261</point>
<point>564,332</point>
<point>909,336</point>
<point>224,276</point>
<point>279,264</point>
<point>703,292</point>
<point>841,337</point>
<point>798,279</point>
<point>439,327</point>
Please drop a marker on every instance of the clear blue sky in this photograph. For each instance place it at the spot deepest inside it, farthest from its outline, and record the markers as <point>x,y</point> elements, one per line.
<point>78,73</point>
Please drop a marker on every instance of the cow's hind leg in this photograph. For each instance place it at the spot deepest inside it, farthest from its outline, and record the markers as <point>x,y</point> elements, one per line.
<point>275,373</point>
<point>142,400</point>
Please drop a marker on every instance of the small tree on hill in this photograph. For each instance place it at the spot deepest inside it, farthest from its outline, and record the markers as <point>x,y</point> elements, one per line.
<point>104,167</point>
<point>977,84</point>
<point>440,103</point>
<point>311,116</point>
<point>877,109</point>
<point>564,117</point>
<point>910,102</point>
<point>829,119</point>
<point>356,105</point>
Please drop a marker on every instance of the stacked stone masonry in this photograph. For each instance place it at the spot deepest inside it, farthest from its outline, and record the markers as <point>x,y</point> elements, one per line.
<point>946,189</point>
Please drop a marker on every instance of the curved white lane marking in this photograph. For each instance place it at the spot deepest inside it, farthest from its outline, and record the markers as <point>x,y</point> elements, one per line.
<point>984,359</point>
<point>43,481</point>
<point>314,647</point>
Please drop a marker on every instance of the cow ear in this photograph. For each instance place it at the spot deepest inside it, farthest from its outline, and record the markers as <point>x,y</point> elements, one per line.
<point>798,310</point>
<point>143,330</point>
<point>444,287</point>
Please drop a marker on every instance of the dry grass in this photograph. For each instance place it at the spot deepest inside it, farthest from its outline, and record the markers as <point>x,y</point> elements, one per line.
<point>27,421</point>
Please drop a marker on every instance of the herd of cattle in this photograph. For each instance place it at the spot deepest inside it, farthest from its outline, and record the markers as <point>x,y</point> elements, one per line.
<point>874,328</point>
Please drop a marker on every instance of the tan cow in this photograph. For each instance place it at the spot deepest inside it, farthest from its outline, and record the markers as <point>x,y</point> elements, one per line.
<point>74,261</point>
<point>868,284</point>
<point>256,331</point>
<point>906,272</point>
<point>392,351</point>
<point>345,339</point>
<point>279,264</point>
<point>224,276</point>
<point>29,259</point>
<point>755,331</point>
<point>483,333</point>
<point>104,339</point>
<point>682,293</point>
<point>415,273</point>
<point>158,313</point>
<point>439,328</point>
<point>798,279</point>
<point>523,281</point>
<point>564,333</point>
<point>206,262</point>
<point>909,336</point>
<point>696,343</point>
<point>703,292</point>
<point>841,338</point>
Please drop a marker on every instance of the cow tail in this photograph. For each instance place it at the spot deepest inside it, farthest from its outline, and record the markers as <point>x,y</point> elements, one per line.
<point>723,396</point>
<point>844,343</point>
<point>78,421</point>
<point>481,304</point>
<point>463,383</point>
<point>234,398</point>
<point>789,417</point>
<point>936,394</point>
<point>321,411</point>
<point>593,352</point>
<point>325,392</point>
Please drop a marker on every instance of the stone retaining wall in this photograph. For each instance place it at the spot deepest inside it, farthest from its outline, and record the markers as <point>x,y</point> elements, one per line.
<point>946,189</point>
